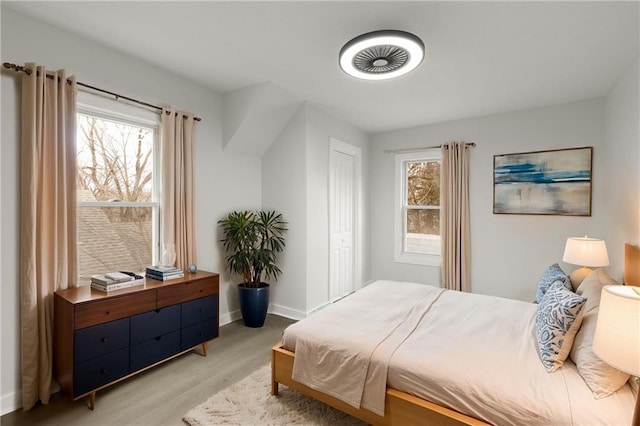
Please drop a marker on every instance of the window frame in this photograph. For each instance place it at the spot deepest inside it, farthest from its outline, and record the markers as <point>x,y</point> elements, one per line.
<point>109,109</point>
<point>401,207</point>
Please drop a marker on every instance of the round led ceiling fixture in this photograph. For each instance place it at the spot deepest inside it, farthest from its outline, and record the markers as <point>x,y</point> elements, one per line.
<point>380,55</point>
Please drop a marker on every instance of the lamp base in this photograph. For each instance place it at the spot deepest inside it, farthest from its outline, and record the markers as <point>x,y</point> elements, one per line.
<point>578,276</point>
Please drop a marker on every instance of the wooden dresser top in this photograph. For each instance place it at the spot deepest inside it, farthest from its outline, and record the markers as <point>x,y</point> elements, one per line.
<point>86,293</point>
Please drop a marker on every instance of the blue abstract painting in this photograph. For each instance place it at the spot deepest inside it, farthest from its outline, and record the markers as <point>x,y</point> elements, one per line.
<point>556,182</point>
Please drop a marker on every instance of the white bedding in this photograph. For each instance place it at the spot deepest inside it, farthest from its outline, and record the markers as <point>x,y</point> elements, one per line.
<point>352,364</point>
<point>475,354</point>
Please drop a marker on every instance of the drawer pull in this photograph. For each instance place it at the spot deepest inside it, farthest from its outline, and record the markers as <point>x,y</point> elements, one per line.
<point>201,290</point>
<point>104,340</point>
<point>107,313</point>
<point>103,371</point>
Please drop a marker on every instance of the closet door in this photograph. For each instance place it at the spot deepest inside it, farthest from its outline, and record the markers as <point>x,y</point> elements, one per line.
<point>343,217</point>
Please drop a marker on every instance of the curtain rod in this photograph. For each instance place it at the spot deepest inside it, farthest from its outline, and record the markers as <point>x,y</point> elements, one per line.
<point>18,68</point>
<point>420,148</point>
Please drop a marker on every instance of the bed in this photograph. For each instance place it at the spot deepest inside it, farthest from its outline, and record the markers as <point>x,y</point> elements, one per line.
<point>406,353</point>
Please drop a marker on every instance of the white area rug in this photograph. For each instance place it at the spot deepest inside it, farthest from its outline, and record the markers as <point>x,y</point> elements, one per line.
<point>249,402</point>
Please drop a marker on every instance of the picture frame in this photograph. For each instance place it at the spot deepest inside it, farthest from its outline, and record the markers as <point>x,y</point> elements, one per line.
<point>551,182</point>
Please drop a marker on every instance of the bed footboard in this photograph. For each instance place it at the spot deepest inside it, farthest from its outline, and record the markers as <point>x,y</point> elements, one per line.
<point>400,408</point>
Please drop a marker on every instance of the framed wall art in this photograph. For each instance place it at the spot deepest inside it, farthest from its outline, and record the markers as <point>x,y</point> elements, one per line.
<point>555,182</point>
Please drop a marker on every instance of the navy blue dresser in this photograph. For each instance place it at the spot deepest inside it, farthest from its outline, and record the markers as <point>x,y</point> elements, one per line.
<point>103,338</point>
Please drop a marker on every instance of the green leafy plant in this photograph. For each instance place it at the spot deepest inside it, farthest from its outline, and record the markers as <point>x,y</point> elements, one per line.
<point>253,240</point>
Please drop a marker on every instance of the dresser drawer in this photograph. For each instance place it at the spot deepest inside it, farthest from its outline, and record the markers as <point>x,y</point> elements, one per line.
<point>199,310</point>
<point>105,310</point>
<point>100,371</point>
<point>183,292</point>
<point>199,333</point>
<point>98,340</point>
<point>155,323</point>
<point>154,350</point>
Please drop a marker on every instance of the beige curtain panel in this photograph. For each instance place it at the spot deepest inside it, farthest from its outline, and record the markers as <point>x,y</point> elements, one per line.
<point>455,228</point>
<point>47,218</point>
<point>177,203</point>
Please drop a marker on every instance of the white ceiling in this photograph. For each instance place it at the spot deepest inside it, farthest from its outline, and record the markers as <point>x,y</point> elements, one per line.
<point>481,57</point>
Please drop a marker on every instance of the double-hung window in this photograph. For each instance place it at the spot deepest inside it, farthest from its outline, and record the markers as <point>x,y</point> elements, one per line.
<point>417,218</point>
<point>117,190</point>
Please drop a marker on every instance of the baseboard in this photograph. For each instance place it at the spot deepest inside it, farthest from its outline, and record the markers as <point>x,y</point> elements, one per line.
<point>230,317</point>
<point>13,401</point>
<point>318,308</point>
<point>286,312</point>
<point>10,402</point>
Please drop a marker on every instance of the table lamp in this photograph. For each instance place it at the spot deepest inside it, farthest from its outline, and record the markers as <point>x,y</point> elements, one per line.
<point>617,337</point>
<point>585,252</point>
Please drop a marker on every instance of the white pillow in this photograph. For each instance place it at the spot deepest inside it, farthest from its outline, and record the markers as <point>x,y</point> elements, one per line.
<point>558,319</point>
<point>602,379</point>
<point>591,288</point>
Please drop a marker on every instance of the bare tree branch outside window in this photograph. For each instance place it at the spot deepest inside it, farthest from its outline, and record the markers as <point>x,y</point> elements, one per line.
<point>423,189</point>
<point>115,164</point>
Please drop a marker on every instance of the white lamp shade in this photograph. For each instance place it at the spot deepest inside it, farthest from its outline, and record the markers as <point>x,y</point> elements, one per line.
<point>617,337</point>
<point>585,251</point>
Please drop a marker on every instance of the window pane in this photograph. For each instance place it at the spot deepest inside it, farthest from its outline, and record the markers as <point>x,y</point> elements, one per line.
<point>113,239</point>
<point>423,231</point>
<point>115,160</point>
<point>423,183</point>
<point>423,221</point>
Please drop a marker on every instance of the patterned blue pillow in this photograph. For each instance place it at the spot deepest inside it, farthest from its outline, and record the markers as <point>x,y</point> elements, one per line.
<point>557,321</point>
<point>551,275</point>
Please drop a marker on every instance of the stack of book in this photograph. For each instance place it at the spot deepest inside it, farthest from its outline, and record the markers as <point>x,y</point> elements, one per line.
<point>164,273</point>
<point>116,281</point>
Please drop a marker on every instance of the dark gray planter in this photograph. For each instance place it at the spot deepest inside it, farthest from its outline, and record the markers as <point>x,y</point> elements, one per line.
<point>254,303</point>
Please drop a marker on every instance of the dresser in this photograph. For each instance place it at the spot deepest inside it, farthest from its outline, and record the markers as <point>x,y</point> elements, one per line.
<point>103,338</point>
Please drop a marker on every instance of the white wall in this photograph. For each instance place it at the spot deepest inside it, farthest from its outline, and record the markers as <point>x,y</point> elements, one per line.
<point>320,128</point>
<point>283,189</point>
<point>623,163</point>
<point>508,252</point>
<point>223,181</point>
<point>295,180</point>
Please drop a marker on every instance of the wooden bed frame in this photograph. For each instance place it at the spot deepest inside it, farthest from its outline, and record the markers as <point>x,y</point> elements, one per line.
<point>400,407</point>
<point>631,265</point>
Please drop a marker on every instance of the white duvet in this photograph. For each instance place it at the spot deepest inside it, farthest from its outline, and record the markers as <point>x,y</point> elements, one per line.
<point>472,353</point>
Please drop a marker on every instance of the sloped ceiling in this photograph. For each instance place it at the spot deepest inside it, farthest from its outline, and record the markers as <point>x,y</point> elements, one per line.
<point>254,116</point>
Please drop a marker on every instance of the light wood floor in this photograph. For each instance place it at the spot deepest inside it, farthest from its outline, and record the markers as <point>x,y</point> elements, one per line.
<point>162,395</point>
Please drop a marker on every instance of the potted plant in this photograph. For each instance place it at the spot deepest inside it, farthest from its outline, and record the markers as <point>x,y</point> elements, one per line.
<point>253,240</point>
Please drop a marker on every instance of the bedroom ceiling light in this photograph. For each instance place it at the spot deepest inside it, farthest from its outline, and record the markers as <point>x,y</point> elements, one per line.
<point>380,55</point>
<point>585,252</point>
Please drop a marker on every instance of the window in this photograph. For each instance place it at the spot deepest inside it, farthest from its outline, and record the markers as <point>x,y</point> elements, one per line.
<point>117,192</point>
<point>418,209</point>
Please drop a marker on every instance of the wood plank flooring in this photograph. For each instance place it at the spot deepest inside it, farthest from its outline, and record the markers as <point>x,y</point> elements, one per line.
<point>162,395</point>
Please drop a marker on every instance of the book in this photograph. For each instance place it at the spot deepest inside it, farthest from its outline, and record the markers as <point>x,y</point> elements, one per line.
<point>153,272</point>
<point>164,274</point>
<point>104,280</point>
<point>165,277</point>
<point>118,276</point>
<point>117,286</point>
<point>164,269</point>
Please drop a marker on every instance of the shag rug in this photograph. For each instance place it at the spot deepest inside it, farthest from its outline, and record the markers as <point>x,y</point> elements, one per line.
<point>249,402</point>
